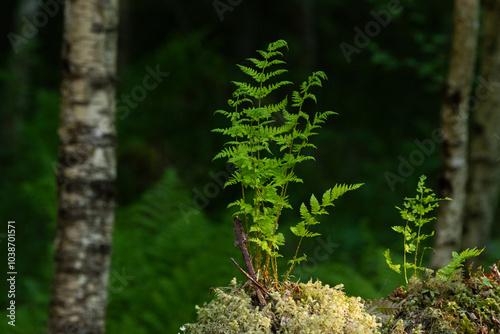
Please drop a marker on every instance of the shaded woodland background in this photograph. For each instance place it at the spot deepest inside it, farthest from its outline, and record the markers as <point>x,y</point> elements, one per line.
<point>173,236</point>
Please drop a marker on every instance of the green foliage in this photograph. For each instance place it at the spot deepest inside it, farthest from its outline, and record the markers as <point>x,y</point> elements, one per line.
<point>309,217</point>
<point>29,197</point>
<point>173,116</point>
<point>161,259</point>
<point>457,305</point>
<point>265,152</point>
<point>415,211</point>
<point>446,272</point>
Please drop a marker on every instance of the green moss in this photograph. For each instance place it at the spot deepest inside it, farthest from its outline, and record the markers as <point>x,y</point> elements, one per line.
<point>306,308</point>
<point>431,305</point>
<point>428,305</point>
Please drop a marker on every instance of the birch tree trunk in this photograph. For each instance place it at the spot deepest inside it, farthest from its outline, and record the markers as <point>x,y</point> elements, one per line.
<point>87,168</point>
<point>454,124</point>
<point>484,156</point>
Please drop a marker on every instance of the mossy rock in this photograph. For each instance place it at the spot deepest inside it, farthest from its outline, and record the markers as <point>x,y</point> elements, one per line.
<point>431,305</point>
<point>292,308</point>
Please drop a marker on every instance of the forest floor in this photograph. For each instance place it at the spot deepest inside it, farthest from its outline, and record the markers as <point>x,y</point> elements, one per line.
<point>429,305</point>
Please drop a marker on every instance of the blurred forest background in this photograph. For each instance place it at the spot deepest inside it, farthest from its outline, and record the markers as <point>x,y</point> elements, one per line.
<point>173,237</point>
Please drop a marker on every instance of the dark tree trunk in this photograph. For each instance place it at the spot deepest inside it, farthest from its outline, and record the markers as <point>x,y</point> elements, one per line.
<point>484,156</point>
<point>454,124</point>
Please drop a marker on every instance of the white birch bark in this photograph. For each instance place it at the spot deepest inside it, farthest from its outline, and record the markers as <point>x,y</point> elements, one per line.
<point>87,168</point>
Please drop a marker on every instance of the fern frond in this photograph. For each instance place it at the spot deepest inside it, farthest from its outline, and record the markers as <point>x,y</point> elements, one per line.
<point>384,309</point>
<point>222,112</point>
<point>275,62</point>
<point>256,75</point>
<point>260,76</point>
<point>301,230</point>
<point>262,64</point>
<point>277,45</point>
<point>278,107</point>
<point>275,73</point>
<point>395,267</point>
<point>322,116</point>
<point>446,272</point>
<point>269,54</point>
<point>260,130</point>
<point>296,98</point>
<point>277,85</point>
<point>226,152</point>
<point>316,77</point>
<point>332,194</point>
<point>246,88</point>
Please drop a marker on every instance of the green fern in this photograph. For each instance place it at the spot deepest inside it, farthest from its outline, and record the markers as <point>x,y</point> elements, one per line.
<point>309,217</point>
<point>447,272</point>
<point>265,153</point>
<point>415,211</point>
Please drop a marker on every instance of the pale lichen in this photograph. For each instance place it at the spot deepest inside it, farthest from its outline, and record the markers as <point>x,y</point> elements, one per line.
<point>316,309</point>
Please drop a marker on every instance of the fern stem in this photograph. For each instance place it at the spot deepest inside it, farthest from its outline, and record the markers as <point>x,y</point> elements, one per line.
<point>415,272</point>
<point>404,251</point>
<point>293,260</point>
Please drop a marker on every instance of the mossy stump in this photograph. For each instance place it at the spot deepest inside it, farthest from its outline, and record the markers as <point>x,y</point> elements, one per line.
<point>305,308</point>
<point>431,305</point>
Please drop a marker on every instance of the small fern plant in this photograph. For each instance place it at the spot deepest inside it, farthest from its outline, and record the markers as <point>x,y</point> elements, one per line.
<point>446,273</point>
<point>267,142</point>
<point>415,211</point>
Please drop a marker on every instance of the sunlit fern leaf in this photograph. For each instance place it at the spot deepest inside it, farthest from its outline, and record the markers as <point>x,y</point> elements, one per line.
<point>262,127</point>
<point>260,76</point>
<point>272,74</point>
<point>267,55</point>
<point>337,191</point>
<point>278,107</point>
<point>265,64</point>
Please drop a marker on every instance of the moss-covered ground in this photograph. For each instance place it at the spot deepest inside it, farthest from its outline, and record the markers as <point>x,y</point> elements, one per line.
<point>309,308</point>
<point>426,305</point>
<point>430,305</point>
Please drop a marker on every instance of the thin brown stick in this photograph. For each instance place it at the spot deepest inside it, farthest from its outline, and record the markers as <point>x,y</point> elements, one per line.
<point>241,241</point>
<point>260,286</point>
